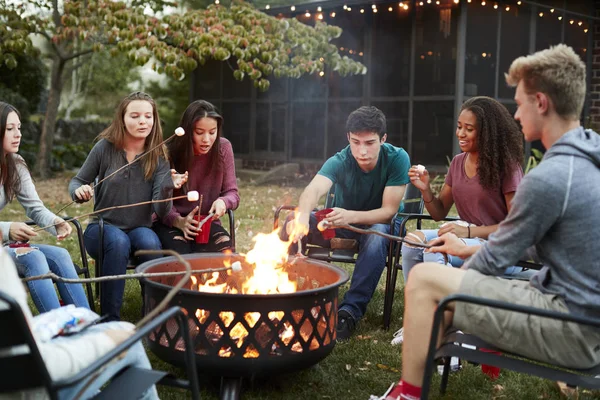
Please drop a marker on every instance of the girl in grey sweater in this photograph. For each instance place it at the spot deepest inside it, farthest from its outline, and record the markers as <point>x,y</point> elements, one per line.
<point>134,130</point>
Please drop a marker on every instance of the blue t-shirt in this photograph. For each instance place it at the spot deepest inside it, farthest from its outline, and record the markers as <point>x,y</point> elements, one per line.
<point>363,191</point>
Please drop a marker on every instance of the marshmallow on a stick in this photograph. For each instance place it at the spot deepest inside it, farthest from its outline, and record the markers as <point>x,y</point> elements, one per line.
<point>193,195</point>
<point>322,225</point>
<point>179,131</point>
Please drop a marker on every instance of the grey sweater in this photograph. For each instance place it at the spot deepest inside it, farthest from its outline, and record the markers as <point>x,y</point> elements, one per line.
<point>126,187</point>
<point>29,199</point>
<point>555,210</point>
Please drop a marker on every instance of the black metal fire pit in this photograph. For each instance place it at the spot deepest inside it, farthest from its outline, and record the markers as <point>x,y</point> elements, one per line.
<point>246,335</point>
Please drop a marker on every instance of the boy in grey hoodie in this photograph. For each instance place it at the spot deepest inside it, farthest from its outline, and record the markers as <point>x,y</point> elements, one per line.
<point>554,210</point>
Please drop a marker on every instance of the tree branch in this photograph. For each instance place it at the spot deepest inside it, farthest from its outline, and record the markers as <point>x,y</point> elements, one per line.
<point>81,53</point>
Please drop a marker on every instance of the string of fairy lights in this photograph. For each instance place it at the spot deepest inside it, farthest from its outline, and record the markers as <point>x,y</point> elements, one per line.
<point>318,13</point>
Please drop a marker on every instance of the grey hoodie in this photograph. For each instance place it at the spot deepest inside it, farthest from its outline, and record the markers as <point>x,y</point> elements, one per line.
<point>556,208</point>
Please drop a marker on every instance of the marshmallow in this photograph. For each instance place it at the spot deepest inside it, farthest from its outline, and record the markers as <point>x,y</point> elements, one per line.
<point>420,169</point>
<point>179,131</point>
<point>193,196</point>
<point>236,266</point>
<point>322,225</point>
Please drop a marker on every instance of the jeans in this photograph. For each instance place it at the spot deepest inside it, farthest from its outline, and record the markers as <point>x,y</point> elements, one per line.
<point>135,356</point>
<point>372,256</point>
<point>414,255</point>
<point>40,259</point>
<point>118,246</point>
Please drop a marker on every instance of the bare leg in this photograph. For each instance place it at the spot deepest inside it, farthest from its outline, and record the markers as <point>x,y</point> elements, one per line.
<point>428,284</point>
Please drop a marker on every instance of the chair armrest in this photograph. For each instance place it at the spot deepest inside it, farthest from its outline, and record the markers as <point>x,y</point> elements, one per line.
<point>440,310</point>
<point>231,228</point>
<point>121,347</point>
<point>278,211</point>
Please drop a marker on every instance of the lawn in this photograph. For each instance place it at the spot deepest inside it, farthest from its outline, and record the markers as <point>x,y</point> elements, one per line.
<point>365,365</point>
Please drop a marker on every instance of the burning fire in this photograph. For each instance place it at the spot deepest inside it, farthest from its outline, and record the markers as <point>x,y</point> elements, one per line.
<point>268,257</point>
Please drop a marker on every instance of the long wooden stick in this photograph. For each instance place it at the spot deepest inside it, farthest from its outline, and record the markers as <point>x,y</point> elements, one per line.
<point>374,232</point>
<point>114,208</point>
<point>119,169</point>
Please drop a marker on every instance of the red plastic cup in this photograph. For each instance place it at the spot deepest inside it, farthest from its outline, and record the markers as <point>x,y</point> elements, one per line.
<point>489,370</point>
<point>327,233</point>
<point>204,234</point>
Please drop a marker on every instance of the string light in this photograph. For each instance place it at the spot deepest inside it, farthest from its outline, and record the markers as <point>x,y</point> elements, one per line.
<point>456,1</point>
<point>332,14</point>
<point>560,17</point>
<point>361,53</point>
<point>495,6</point>
<point>518,3</point>
<point>345,7</point>
<point>216,1</point>
<point>507,8</point>
<point>483,3</point>
<point>268,7</point>
<point>375,10</point>
<point>321,73</point>
<point>437,3</point>
<point>293,8</point>
<point>319,9</point>
<point>571,22</point>
<point>349,8</point>
<point>552,10</point>
<point>585,30</point>
<point>320,16</point>
<point>362,10</point>
<point>428,1</point>
<point>421,3</point>
<point>541,14</point>
<point>307,14</point>
<point>580,23</point>
<point>390,9</point>
<point>373,6</point>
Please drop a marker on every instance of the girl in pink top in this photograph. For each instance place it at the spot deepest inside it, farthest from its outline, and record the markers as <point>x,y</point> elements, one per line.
<point>481,182</point>
<point>208,157</point>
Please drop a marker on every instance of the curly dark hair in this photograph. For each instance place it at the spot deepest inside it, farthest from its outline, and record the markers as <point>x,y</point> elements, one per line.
<point>499,138</point>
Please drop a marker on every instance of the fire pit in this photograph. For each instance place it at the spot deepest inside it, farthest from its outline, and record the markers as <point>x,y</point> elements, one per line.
<point>240,335</point>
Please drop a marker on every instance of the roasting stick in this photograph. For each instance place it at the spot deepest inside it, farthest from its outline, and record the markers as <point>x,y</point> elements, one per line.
<point>191,196</point>
<point>209,216</point>
<point>326,225</point>
<point>178,132</point>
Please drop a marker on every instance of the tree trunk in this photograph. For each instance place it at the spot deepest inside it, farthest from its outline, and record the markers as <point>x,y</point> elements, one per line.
<point>42,166</point>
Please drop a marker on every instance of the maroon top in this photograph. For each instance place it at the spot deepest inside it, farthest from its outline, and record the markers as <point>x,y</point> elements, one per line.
<point>219,183</point>
<point>476,205</point>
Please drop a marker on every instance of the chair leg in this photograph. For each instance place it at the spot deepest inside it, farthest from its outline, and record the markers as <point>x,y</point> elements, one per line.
<point>90,293</point>
<point>445,375</point>
<point>389,299</point>
<point>387,303</point>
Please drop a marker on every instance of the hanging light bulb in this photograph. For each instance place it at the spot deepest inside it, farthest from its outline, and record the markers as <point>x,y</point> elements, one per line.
<point>390,9</point>
<point>585,30</point>
<point>456,1</point>
<point>373,6</point>
<point>320,16</point>
<point>319,9</point>
<point>507,8</point>
<point>483,3</point>
<point>495,6</point>
<point>560,17</point>
<point>293,8</point>
<point>580,23</point>
<point>541,14</point>
<point>345,7</point>
<point>332,14</point>
<point>375,10</point>
<point>321,73</point>
<point>362,10</point>
<point>268,7</point>
<point>307,14</point>
<point>571,22</point>
<point>518,3</point>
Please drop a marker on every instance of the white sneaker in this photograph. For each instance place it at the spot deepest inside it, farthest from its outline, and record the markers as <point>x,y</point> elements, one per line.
<point>398,337</point>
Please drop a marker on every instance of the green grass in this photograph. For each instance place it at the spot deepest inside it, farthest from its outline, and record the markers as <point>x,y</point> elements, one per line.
<point>365,365</point>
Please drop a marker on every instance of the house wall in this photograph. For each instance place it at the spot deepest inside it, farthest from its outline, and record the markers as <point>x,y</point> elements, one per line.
<point>423,62</point>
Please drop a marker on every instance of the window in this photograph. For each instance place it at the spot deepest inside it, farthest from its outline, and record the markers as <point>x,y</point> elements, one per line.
<point>481,57</point>
<point>308,130</point>
<point>237,125</point>
<point>435,58</point>
<point>433,132</point>
<point>514,43</point>
<point>389,70</point>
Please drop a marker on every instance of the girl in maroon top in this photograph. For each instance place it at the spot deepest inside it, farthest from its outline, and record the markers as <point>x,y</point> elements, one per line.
<point>208,157</point>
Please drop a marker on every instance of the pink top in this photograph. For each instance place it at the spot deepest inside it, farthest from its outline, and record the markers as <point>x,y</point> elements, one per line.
<point>476,205</point>
<point>219,183</point>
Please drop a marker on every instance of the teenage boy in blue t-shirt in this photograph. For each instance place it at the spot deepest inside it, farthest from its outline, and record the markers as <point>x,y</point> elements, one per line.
<point>370,177</point>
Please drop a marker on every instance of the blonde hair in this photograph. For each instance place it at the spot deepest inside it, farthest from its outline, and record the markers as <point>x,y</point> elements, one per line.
<point>115,133</point>
<point>558,72</point>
